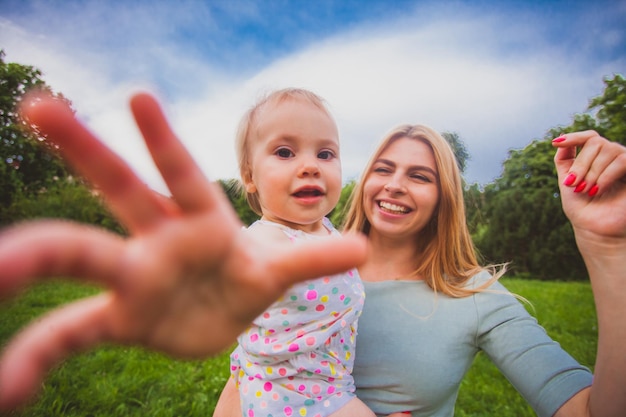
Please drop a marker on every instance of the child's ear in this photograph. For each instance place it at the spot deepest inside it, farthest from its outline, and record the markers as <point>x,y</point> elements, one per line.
<point>248,183</point>
<point>250,187</point>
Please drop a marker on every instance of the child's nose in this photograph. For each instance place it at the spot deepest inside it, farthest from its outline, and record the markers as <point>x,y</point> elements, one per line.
<point>310,167</point>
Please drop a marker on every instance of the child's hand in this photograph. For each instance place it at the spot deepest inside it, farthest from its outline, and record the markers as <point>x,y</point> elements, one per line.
<point>186,282</point>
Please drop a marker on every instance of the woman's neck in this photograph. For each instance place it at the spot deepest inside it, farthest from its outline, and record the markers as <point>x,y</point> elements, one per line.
<point>390,260</point>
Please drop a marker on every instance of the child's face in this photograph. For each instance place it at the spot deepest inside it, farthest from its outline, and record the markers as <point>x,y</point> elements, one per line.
<point>295,167</point>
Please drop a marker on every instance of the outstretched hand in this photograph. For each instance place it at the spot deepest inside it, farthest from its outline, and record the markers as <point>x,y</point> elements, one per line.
<point>186,282</point>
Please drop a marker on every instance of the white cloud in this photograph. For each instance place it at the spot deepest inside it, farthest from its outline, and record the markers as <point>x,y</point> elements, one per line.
<point>431,75</point>
<point>497,84</point>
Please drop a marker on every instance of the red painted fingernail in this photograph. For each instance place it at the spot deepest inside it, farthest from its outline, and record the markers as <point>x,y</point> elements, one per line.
<point>594,190</point>
<point>570,179</point>
<point>559,139</point>
<point>580,187</point>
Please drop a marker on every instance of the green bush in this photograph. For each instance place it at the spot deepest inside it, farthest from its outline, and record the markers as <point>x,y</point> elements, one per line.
<point>67,199</point>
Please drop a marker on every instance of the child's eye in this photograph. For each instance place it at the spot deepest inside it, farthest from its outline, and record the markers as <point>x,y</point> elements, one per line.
<point>326,155</point>
<point>284,153</point>
<point>382,170</point>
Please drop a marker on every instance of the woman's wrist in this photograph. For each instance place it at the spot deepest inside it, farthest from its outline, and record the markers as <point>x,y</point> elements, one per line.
<point>591,244</point>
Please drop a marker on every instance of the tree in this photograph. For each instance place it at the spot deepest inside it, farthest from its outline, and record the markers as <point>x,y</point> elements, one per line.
<point>611,115</point>
<point>68,199</point>
<point>459,149</point>
<point>476,199</point>
<point>28,163</point>
<point>34,181</point>
<point>338,214</point>
<point>518,218</point>
<point>605,114</point>
<point>525,218</point>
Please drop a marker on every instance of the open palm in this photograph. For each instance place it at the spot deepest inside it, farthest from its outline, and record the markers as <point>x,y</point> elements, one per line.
<point>186,282</point>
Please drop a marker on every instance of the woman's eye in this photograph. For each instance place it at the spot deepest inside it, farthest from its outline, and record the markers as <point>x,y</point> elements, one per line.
<point>421,177</point>
<point>284,153</point>
<point>326,155</point>
<point>382,170</point>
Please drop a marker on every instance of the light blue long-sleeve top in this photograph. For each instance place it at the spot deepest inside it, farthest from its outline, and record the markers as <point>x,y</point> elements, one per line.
<point>414,347</point>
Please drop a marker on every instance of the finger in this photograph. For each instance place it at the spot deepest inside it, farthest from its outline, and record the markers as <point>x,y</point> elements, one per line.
<point>188,185</point>
<point>48,249</point>
<point>596,158</point>
<point>575,138</point>
<point>598,164</point>
<point>580,170</point>
<point>129,198</point>
<point>316,259</point>
<point>563,160</point>
<point>588,164</point>
<point>42,345</point>
<point>614,174</point>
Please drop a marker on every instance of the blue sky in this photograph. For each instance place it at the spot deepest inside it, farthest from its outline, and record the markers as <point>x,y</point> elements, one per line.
<point>498,73</point>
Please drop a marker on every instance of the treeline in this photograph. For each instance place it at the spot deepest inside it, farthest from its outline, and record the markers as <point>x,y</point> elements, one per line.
<point>516,219</point>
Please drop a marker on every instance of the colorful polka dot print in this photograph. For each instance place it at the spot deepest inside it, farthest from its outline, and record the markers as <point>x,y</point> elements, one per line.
<point>296,358</point>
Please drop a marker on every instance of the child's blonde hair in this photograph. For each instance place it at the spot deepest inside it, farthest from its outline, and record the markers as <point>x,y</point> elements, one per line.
<point>246,130</point>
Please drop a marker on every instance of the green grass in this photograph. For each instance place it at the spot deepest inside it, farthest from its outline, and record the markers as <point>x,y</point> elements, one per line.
<point>122,381</point>
<point>114,381</point>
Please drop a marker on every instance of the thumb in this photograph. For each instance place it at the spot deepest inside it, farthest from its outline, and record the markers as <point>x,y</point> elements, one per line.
<point>331,256</point>
<point>563,160</point>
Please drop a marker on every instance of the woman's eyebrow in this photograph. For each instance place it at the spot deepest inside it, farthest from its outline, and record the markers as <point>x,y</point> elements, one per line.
<point>384,161</point>
<point>424,168</point>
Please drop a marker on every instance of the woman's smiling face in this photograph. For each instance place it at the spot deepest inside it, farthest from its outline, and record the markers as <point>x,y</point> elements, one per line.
<point>401,191</point>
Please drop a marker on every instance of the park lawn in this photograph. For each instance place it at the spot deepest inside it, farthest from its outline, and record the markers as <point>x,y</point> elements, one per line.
<point>123,381</point>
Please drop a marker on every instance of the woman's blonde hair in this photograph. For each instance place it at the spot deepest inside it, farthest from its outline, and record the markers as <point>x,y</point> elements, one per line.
<point>246,130</point>
<point>446,255</point>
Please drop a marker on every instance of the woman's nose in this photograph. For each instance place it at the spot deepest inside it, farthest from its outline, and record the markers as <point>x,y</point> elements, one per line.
<point>395,186</point>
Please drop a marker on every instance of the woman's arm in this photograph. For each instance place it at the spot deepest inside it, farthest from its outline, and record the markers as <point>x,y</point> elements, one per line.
<point>593,193</point>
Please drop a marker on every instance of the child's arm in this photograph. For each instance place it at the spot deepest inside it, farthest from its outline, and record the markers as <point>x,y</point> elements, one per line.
<point>229,403</point>
<point>186,282</point>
